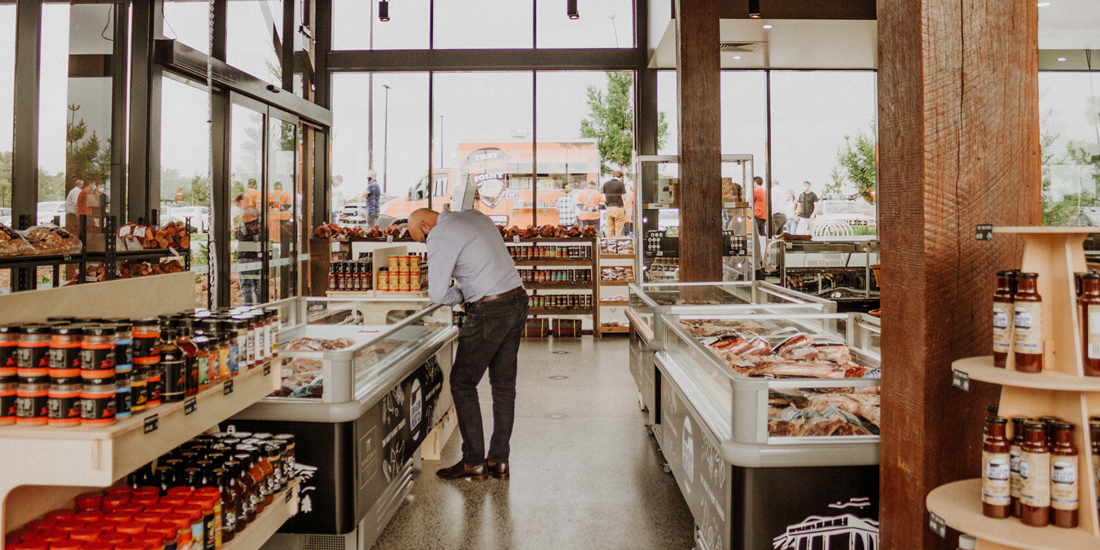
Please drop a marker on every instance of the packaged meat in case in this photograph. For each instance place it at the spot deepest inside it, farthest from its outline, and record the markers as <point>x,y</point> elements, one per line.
<point>51,239</point>
<point>13,244</point>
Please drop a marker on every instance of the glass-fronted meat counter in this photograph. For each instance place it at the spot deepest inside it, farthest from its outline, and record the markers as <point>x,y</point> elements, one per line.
<point>364,381</point>
<point>649,302</point>
<point>775,418</point>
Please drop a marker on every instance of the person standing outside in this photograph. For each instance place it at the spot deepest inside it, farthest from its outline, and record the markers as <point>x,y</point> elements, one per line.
<point>248,247</point>
<point>790,208</point>
<point>372,196</point>
<point>588,206</point>
<point>808,206</point>
<point>613,191</point>
<point>759,210</point>
<point>567,207</point>
<point>465,245</point>
<point>72,221</point>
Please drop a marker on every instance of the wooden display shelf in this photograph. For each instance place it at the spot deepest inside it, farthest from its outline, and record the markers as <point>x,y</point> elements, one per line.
<point>613,330</point>
<point>616,256</point>
<point>557,286</point>
<point>615,303</point>
<point>83,456</point>
<point>549,311</point>
<point>981,368</point>
<point>554,262</point>
<point>960,506</point>
<point>284,506</point>
<point>616,283</point>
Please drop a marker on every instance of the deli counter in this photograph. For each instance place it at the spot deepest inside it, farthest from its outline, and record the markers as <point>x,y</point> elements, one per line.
<point>769,423</point>
<point>364,381</point>
<point>651,301</point>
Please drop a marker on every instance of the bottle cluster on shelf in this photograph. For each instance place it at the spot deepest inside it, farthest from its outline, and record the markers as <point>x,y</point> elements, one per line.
<point>197,497</point>
<point>523,253</point>
<point>71,371</point>
<point>404,274</point>
<point>352,275</point>
<point>561,301</point>
<point>1034,475</point>
<point>556,276</point>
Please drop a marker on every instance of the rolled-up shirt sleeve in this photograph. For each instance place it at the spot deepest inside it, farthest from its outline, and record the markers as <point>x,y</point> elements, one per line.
<point>442,257</point>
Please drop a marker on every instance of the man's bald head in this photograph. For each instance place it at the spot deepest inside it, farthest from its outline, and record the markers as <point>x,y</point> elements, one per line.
<point>422,221</point>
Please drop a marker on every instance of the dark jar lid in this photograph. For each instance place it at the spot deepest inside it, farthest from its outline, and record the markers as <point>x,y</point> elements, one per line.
<point>11,329</point>
<point>100,330</point>
<point>1026,275</point>
<point>36,329</point>
<point>68,330</point>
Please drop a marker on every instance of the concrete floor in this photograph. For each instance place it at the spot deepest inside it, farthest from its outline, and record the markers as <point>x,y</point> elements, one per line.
<point>585,475</point>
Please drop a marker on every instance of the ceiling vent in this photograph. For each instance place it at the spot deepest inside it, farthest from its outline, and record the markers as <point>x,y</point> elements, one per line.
<point>738,46</point>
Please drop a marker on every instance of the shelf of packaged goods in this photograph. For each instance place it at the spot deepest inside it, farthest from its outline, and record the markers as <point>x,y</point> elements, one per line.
<point>536,240</point>
<point>960,506</point>
<point>614,330</point>
<point>548,311</point>
<point>557,286</point>
<point>554,262</point>
<point>35,261</point>
<point>284,505</point>
<point>616,256</point>
<point>97,457</point>
<point>146,254</point>
<point>616,283</point>
<point>981,368</point>
<point>615,303</point>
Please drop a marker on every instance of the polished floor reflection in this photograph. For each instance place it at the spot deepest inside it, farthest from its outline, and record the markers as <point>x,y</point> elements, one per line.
<point>585,474</point>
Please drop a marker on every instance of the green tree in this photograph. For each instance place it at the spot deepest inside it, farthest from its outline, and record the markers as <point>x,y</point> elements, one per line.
<point>611,122</point>
<point>5,178</point>
<point>857,165</point>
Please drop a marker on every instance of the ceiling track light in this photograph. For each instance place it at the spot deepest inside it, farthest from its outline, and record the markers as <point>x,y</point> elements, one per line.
<point>383,10</point>
<point>754,9</point>
<point>571,9</point>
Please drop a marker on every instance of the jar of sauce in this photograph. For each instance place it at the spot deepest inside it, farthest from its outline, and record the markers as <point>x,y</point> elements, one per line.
<point>202,357</point>
<point>1028,324</point>
<point>1064,499</point>
<point>1014,454</point>
<point>238,345</point>
<point>250,499</point>
<point>34,355</point>
<point>1035,476</point>
<point>234,515</point>
<point>996,498</point>
<point>190,355</point>
<point>173,364</point>
<point>1003,319</point>
<point>288,455</point>
<point>225,351</point>
<point>124,367</point>
<point>9,356</point>
<point>213,352</point>
<point>1094,437</point>
<point>65,351</point>
<point>1090,322</point>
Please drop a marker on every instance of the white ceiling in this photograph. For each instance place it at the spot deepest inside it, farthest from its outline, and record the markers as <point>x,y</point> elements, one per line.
<point>1069,25</point>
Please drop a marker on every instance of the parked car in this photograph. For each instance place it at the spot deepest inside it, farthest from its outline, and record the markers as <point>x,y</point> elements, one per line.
<point>199,217</point>
<point>5,216</point>
<point>845,211</point>
<point>355,214</point>
<point>48,210</point>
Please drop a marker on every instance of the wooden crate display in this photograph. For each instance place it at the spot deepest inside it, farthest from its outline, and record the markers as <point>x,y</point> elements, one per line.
<point>537,328</point>
<point>570,328</point>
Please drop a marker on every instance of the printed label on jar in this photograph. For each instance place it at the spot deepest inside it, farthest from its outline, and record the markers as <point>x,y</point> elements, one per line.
<point>174,377</point>
<point>1035,479</point>
<point>122,401</point>
<point>65,358</point>
<point>1014,471</point>
<point>32,406</point>
<point>1029,328</point>
<point>64,407</point>
<point>97,408</point>
<point>1093,344</point>
<point>139,395</point>
<point>34,358</point>
<point>1063,486</point>
<point>124,352</point>
<point>1002,331</point>
<point>98,359</point>
<point>995,479</point>
<point>9,356</point>
<point>7,405</point>
<point>203,362</point>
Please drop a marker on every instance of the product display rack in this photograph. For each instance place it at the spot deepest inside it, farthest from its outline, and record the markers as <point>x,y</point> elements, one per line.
<point>550,263</point>
<point>614,260</point>
<point>1061,390</point>
<point>283,507</point>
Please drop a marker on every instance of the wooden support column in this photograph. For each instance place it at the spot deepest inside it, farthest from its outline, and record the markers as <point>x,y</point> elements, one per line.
<point>958,146</point>
<point>697,71</point>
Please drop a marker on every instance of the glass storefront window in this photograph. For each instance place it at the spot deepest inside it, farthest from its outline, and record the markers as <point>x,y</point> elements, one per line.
<point>246,165</point>
<point>254,28</point>
<point>744,130</point>
<point>355,25</point>
<point>667,104</point>
<point>486,141</point>
<point>188,22</point>
<point>396,149</point>
<point>483,24</point>
<point>1069,133</point>
<point>282,140</point>
<point>7,90</point>
<point>604,24</point>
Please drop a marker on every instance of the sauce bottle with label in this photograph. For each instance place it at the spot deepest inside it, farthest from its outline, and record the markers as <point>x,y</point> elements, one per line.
<point>1014,454</point>
<point>1003,309</point>
<point>173,364</point>
<point>1090,322</point>
<point>1063,477</point>
<point>1028,324</point>
<point>190,354</point>
<point>1035,476</point>
<point>996,499</point>
<point>1094,436</point>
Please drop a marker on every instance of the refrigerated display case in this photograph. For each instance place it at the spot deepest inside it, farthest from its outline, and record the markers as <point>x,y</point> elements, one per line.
<point>650,301</point>
<point>770,423</point>
<point>837,270</point>
<point>359,399</point>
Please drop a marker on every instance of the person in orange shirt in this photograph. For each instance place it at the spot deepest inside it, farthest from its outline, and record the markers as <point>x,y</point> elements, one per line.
<point>759,211</point>
<point>250,207</point>
<point>588,206</point>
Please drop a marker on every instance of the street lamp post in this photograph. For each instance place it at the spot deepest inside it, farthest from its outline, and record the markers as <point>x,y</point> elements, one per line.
<point>386,143</point>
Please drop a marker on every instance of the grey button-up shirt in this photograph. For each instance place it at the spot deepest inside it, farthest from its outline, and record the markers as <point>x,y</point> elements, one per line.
<point>465,245</point>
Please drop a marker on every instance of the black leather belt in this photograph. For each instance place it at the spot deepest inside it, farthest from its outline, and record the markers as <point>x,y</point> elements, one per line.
<point>492,297</point>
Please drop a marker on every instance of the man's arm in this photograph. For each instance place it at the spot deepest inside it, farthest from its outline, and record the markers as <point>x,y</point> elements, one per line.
<point>817,207</point>
<point>441,264</point>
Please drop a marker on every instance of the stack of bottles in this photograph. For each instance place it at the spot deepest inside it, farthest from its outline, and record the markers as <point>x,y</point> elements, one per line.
<point>69,372</point>
<point>556,276</point>
<point>1032,474</point>
<point>353,275</point>
<point>525,253</point>
<point>198,497</point>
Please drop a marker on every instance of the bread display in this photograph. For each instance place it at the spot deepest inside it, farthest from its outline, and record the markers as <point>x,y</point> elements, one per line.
<point>13,244</point>
<point>618,273</point>
<point>621,247</point>
<point>48,239</point>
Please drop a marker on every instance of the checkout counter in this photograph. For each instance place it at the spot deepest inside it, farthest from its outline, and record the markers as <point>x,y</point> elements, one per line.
<point>358,413</point>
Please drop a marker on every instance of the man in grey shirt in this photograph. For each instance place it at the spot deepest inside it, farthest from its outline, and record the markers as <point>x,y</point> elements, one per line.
<point>465,246</point>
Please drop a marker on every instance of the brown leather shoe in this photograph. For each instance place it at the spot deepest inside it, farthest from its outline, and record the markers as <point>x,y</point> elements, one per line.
<point>464,471</point>
<point>499,471</point>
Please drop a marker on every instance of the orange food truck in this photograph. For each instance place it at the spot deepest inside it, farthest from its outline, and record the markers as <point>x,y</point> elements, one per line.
<point>496,178</point>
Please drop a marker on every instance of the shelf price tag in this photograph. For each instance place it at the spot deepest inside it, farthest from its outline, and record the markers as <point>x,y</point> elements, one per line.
<point>937,525</point>
<point>960,380</point>
<point>151,423</point>
<point>515,239</point>
<point>190,406</point>
<point>227,387</point>
<point>289,493</point>
<point>984,232</point>
<point>389,238</point>
<point>267,369</point>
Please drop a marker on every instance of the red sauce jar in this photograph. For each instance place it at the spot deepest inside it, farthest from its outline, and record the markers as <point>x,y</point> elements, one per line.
<point>119,490</point>
<point>132,545</point>
<point>111,502</point>
<point>166,530</point>
<point>197,526</point>
<point>51,536</point>
<point>180,491</point>
<point>104,525</point>
<point>86,535</point>
<point>67,544</point>
<point>131,507</point>
<point>63,514</point>
<point>153,541</point>
<point>148,517</point>
<point>113,538</point>
<point>88,515</point>
<point>119,517</point>
<point>160,508</point>
<point>9,357</point>
<point>69,526</point>
<point>29,545</point>
<point>96,546</point>
<point>40,524</point>
<point>131,528</point>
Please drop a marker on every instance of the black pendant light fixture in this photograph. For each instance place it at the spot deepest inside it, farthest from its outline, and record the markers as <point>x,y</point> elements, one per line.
<point>754,9</point>
<point>571,9</point>
<point>383,10</point>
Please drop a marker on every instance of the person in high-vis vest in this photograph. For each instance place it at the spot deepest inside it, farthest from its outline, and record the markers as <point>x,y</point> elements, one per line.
<point>248,233</point>
<point>279,212</point>
<point>588,206</point>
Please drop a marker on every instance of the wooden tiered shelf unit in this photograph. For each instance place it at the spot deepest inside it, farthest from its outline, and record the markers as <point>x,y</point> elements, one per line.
<point>1062,389</point>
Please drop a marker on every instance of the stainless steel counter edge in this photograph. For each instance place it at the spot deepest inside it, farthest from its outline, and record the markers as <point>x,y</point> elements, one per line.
<point>305,410</point>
